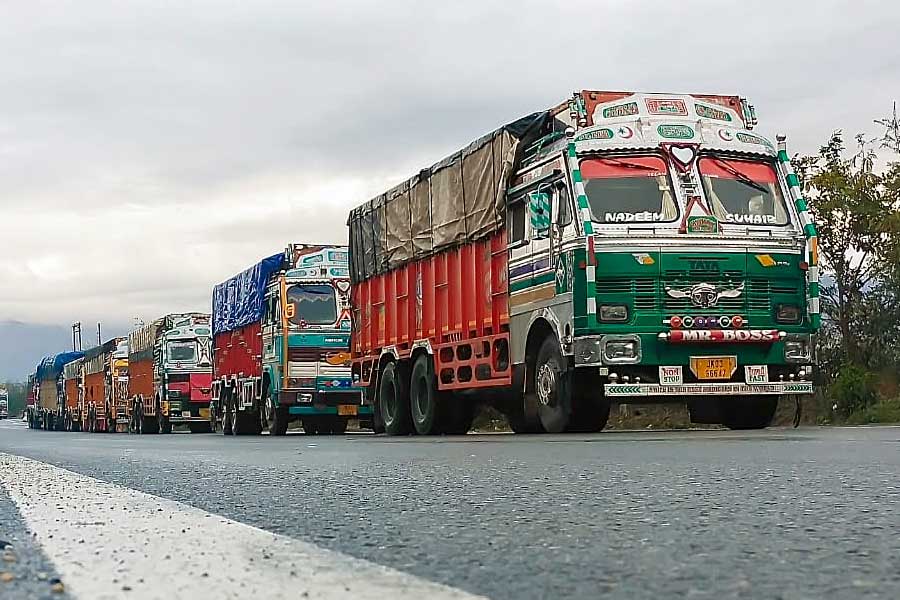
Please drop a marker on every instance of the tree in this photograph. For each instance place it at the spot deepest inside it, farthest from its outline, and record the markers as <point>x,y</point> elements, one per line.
<point>857,215</point>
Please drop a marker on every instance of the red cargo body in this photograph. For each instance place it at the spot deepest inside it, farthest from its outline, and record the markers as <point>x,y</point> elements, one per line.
<point>238,353</point>
<point>456,299</point>
<point>94,394</point>
<point>71,394</point>
<point>140,384</point>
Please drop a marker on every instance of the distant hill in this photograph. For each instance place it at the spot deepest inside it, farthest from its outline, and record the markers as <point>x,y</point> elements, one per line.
<point>23,344</point>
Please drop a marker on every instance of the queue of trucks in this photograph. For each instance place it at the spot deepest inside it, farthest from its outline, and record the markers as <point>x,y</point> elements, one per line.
<point>619,247</point>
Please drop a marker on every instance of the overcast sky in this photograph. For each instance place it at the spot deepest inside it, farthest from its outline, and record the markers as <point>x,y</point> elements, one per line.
<point>151,149</point>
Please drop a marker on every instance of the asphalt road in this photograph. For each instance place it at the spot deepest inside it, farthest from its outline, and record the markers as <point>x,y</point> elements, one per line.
<point>808,513</point>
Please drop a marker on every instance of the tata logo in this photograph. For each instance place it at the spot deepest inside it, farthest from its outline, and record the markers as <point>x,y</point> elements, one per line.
<point>704,265</point>
<point>705,295</point>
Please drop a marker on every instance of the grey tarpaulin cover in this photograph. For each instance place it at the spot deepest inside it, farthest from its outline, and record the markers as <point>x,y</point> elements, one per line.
<point>457,200</point>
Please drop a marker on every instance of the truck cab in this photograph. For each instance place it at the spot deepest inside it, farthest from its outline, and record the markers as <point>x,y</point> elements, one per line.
<point>666,251</point>
<point>305,342</point>
<point>4,404</point>
<point>183,372</point>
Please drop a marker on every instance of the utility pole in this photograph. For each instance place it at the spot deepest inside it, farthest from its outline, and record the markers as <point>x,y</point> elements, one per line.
<point>99,337</point>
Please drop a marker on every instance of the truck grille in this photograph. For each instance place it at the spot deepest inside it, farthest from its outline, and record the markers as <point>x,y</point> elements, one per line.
<point>641,289</point>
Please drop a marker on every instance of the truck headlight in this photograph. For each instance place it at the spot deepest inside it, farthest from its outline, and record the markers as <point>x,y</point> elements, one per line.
<point>587,350</point>
<point>787,313</point>
<point>613,313</point>
<point>623,349</point>
<point>797,348</point>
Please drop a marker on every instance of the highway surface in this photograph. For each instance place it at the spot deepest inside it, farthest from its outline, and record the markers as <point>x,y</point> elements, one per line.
<point>808,513</point>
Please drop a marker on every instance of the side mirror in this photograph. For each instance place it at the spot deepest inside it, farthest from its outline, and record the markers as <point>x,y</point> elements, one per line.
<point>540,211</point>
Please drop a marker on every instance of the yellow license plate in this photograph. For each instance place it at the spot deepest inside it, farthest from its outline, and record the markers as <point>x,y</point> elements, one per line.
<point>204,413</point>
<point>347,410</point>
<point>713,367</point>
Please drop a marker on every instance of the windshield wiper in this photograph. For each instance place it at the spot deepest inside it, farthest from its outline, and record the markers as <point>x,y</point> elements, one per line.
<point>626,164</point>
<point>738,175</point>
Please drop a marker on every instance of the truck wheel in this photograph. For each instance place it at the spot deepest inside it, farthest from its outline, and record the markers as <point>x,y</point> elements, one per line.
<point>552,386</point>
<point>227,417</point>
<point>424,400</point>
<point>590,412</point>
<point>393,401</point>
<point>165,426</point>
<point>274,417</point>
<point>748,412</point>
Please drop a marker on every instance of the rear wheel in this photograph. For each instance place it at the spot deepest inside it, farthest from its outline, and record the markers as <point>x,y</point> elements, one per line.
<point>393,401</point>
<point>748,412</point>
<point>553,387</point>
<point>424,399</point>
<point>227,414</point>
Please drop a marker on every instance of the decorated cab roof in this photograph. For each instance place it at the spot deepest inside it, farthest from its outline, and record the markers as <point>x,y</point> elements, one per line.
<point>318,262</point>
<point>641,121</point>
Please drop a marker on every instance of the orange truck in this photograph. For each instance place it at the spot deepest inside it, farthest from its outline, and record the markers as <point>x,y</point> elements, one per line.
<point>73,386</point>
<point>100,400</point>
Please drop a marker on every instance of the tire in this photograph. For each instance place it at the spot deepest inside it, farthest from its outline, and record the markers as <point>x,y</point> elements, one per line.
<point>227,416</point>
<point>393,402</point>
<point>424,400</point>
<point>590,411</point>
<point>165,425</point>
<point>552,387</point>
<point>274,417</point>
<point>748,412</point>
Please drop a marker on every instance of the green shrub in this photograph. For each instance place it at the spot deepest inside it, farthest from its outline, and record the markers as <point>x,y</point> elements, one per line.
<point>854,390</point>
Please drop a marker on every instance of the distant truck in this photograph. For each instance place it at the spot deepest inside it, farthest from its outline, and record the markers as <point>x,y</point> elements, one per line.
<point>169,374</point>
<point>281,345</point>
<point>73,386</point>
<point>49,408</point>
<point>4,403</point>
<point>102,397</point>
<point>619,247</point>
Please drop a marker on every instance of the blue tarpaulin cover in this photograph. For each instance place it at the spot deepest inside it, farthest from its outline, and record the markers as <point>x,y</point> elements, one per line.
<point>240,300</point>
<point>51,366</point>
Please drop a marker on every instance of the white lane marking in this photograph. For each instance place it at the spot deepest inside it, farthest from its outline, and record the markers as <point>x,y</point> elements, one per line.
<point>104,538</point>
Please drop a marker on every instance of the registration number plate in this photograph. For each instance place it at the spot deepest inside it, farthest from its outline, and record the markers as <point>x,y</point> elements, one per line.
<point>713,367</point>
<point>204,413</point>
<point>347,410</point>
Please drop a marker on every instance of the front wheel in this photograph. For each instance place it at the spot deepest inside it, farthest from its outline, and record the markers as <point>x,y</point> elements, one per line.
<point>274,418</point>
<point>748,412</point>
<point>553,387</point>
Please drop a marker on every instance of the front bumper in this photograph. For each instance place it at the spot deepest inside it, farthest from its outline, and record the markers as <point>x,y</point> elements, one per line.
<point>631,390</point>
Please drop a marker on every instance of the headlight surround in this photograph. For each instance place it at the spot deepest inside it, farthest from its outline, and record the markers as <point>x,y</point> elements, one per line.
<point>787,313</point>
<point>797,348</point>
<point>613,313</point>
<point>620,349</point>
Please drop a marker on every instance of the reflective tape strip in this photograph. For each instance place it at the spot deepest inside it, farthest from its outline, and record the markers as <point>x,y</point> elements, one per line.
<point>591,273</point>
<point>592,306</point>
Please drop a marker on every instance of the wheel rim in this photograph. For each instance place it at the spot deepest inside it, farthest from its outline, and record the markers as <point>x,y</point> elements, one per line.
<point>545,384</point>
<point>269,412</point>
<point>389,408</point>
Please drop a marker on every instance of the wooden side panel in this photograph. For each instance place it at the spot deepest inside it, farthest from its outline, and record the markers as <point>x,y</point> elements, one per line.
<point>238,352</point>
<point>457,294</point>
<point>71,393</point>
<point>140,378</point>
<point>94,392</point>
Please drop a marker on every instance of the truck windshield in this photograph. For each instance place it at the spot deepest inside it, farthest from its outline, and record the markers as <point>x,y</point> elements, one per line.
<point>743,192</point>
<point>311,304</point>
<point>629,189</point>
<point>181,351</point>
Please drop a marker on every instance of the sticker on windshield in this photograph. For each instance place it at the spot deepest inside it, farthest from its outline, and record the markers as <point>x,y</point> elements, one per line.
<point>751,219</point>
<point>638,217</point>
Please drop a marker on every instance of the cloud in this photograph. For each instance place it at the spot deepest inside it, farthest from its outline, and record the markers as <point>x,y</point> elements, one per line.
<point>149,150</point>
